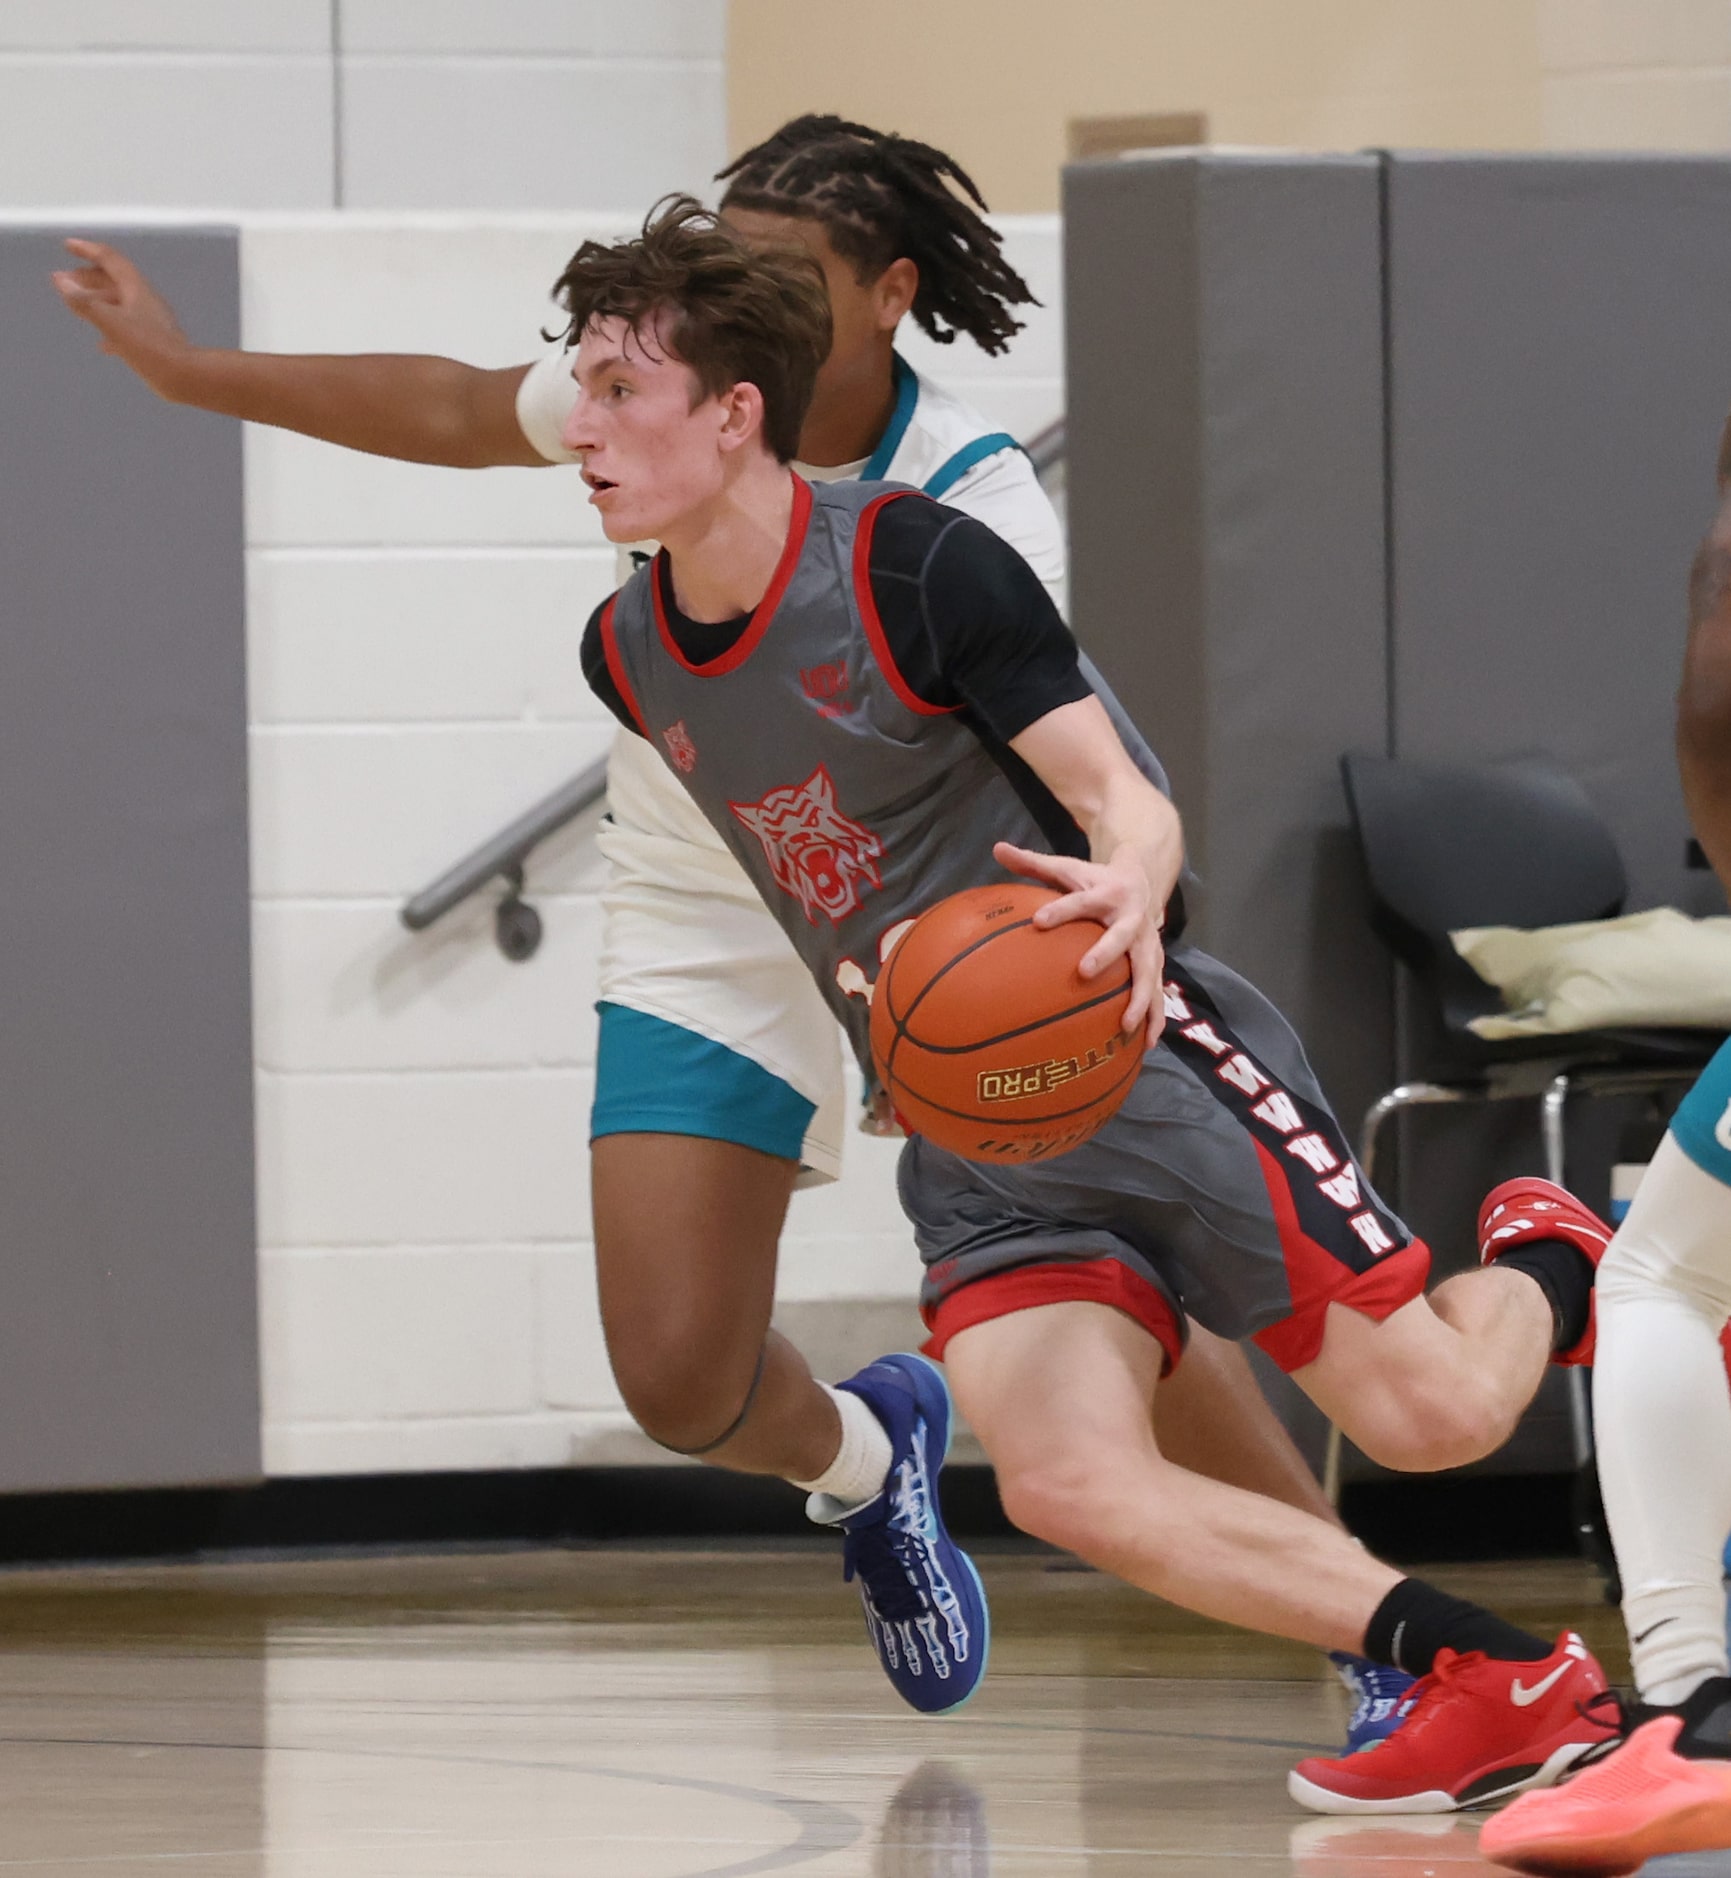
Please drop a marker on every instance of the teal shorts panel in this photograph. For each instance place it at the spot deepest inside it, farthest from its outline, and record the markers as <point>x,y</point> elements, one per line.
<point>1702,1124</point>
<point>653,1077</point>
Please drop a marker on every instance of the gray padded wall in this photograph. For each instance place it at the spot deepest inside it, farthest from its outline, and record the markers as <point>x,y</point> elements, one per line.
<point>128,1326</point>
<point>1560,367</point>
<point>1225,498</point>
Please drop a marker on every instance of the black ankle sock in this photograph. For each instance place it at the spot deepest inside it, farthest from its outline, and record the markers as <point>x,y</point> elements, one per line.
<point>1416,1620</point>
<point>1706,1734</point>
<point>1564,1273</point>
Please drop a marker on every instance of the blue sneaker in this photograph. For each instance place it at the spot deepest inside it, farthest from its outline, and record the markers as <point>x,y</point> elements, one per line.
<point>925,1607</point>
<point>1381,1698</point>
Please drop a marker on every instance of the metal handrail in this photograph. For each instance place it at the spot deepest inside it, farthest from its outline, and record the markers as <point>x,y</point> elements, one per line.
<point>501,856</point>
<point>1046,447</point>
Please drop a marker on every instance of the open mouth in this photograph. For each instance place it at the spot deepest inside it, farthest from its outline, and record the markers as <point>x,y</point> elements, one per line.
<point>598,484</point>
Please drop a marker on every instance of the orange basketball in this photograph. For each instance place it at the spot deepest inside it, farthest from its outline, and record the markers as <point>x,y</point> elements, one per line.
<point>989,1041</point>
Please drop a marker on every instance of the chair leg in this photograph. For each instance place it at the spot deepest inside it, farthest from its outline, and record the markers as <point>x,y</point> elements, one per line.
<point>1553,1110</point>
<point>1581,1416</point>
<point>1404,1095</point>
<point>1553,1105</point>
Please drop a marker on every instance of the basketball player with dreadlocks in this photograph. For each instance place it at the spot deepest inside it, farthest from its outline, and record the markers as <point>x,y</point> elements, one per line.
<point>719,1073</point>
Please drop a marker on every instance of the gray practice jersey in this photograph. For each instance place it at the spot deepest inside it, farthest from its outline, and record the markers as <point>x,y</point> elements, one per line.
<point>852,804</point>
<point>1222,1186</point>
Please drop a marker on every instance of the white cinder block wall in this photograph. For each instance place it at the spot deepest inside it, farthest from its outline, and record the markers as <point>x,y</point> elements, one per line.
<point>307,104</point>
<point>426,1277</point>
<point>426,1281</point>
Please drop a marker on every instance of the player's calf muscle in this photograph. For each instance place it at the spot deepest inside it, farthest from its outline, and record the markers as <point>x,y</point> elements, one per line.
<point>1419,1392</point>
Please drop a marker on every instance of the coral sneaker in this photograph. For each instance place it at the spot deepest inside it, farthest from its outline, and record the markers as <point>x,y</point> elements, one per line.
<point>1522,1211</point>
<point>1639,1803</point>
<point>1477,1730</point>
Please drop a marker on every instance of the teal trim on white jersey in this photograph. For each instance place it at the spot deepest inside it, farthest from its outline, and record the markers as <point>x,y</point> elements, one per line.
<point>1702,1124</point>
<point>907,384</point>
<point>964,460</point>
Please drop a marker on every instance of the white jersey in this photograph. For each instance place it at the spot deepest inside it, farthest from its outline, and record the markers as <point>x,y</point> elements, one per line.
<point>687,939</point>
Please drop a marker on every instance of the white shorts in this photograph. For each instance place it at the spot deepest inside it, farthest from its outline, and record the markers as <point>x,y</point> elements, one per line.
<point>688,943</point>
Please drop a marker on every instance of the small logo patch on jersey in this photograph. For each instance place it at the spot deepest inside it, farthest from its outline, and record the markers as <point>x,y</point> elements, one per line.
<point>824,682</point>
<point>680,747</point>
<point>825,859</point>
<point>826,687</point>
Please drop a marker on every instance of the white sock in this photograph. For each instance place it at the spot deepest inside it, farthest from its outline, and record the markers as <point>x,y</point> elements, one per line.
<point>1662,1412</point>
<point>861,1465</point>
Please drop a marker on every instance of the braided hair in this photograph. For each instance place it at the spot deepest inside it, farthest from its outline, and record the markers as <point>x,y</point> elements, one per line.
<point>880,197</point>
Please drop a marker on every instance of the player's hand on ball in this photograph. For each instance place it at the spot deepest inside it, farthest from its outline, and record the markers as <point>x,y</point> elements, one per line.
<point>1117,894</point>
<point>116,297</point>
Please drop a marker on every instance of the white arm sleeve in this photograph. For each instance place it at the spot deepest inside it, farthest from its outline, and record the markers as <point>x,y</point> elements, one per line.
<point>544,401</point>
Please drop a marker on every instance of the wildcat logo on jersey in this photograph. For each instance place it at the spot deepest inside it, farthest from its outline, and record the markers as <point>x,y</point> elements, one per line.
<point>680,747</point>
<point>827,861</point>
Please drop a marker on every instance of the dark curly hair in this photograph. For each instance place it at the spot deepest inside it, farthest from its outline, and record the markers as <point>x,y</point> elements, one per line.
<point>739,316</point>
<point>879,197</point>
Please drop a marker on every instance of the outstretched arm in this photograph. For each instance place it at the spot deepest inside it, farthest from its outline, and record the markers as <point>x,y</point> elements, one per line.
<point>1134,837</point>
<point>1704,700</point>
<point>421,409</point>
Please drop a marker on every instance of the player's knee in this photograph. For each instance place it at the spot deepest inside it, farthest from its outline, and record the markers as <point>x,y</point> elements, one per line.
<point>675,1389</point>
<point>681,1413</point>
<point>1075,1504</point>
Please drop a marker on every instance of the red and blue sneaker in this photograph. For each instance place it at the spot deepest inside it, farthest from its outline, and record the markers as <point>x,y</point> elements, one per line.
<point>925,1608</point>
<point>1381,1698</point>
<point>1479,1729</point>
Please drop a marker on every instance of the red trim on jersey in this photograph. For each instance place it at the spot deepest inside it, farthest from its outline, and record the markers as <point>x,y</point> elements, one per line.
<point>1315,1278</point>
<point>868,609</point>
<point>761,615</point>
<point>616,666</point>
<point>1072,1281</point>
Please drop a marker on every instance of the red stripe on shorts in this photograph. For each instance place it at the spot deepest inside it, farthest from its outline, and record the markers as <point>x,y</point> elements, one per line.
<point>1070,1281</point>
<point>1315,1278</point>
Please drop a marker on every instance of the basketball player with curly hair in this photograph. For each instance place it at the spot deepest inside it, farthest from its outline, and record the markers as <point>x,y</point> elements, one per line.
<point>719,1075</point>
<point>965,733</point>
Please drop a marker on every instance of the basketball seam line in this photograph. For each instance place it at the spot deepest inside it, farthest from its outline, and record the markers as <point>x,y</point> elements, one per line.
<point>1009,1036</point>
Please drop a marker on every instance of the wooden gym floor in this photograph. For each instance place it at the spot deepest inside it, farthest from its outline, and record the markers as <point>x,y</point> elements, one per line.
<point>675,1713</point>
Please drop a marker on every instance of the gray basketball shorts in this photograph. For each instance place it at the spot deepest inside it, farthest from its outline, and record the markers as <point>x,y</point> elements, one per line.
<point>1223,1190</point>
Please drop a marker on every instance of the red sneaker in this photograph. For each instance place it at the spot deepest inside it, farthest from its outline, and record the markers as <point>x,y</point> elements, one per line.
<point>1639,1803</point>
<point>1520,1211</point>
<point>1478,1730</point>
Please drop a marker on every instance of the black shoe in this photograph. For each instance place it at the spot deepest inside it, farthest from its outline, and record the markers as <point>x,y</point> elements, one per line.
<point>1706,1717</point>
